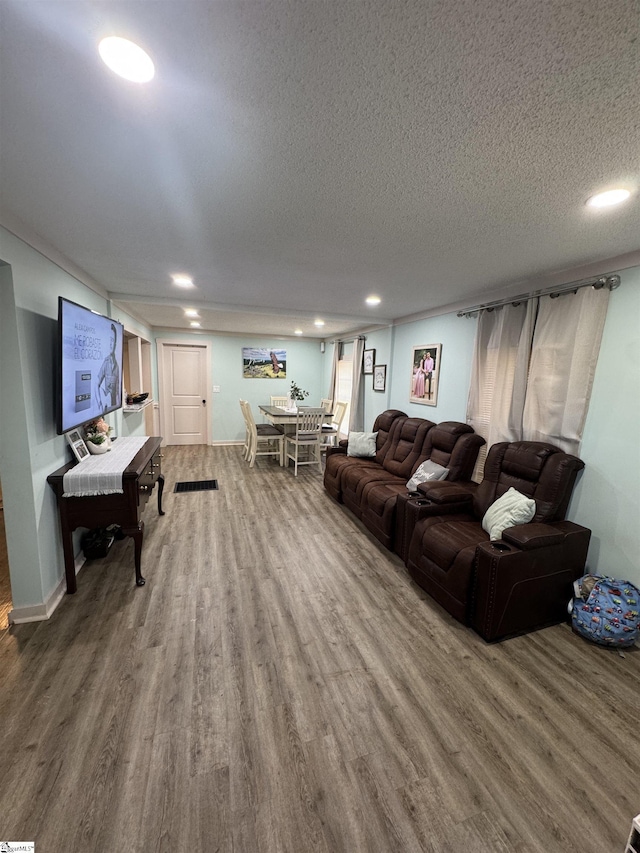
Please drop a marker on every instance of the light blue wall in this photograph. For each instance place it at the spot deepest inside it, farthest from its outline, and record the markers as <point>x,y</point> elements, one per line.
<point>607,496</point>
<point>304,366</point>
<point>456,335</point>
<point>31,450</point>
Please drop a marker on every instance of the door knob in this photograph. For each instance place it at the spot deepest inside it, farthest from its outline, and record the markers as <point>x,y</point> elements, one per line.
<point>204,402</point>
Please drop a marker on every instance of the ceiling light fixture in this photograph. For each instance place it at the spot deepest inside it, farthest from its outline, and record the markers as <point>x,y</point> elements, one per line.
<point>190,312</point>
<point>195,325</point>
<point>298,332</point>
<point>318,323</point>
<point>373,300</point>
<point>609,198</point>
<point>126,59</point>
<point>182,280</point>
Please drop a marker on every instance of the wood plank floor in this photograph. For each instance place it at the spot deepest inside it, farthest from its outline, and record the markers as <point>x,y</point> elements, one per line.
<point>280,684</point>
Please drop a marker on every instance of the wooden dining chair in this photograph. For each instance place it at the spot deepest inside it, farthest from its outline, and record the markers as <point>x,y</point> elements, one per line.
<point>265,439</point>
<point>303,445</point>
<point>331,432</point>
<point>326,404</point>
<point>279,401</point>
<point>247,430</point>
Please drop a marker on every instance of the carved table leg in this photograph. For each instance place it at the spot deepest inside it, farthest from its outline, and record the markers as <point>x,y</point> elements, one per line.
<point>160,491</point>
<point>137,534</point>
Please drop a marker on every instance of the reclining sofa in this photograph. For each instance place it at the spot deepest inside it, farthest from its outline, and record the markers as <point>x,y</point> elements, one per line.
<point>370,486</point>
<point>520,582</point>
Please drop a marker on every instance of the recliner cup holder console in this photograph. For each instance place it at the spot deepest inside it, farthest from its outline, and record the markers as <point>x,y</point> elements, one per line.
<point>500,546</point>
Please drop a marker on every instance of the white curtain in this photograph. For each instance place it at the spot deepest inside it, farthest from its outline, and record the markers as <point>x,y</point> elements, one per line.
<point>499,374</point>
<point>356,409</point>
<point>563,361</point>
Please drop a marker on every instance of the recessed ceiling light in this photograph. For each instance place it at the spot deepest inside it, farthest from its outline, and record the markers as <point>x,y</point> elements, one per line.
<point>195,324</point>
<point>126,59</point>
<point>373,300</point>
<point>190,312</point>
<point>182,280</point>
<point>318,323</point>
<point>298,332</point>
<point>609,198</point>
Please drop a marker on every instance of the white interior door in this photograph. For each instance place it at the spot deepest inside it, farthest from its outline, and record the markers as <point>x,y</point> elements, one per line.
<point>184,393</point>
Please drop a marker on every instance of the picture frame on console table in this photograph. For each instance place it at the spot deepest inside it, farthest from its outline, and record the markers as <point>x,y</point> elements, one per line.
<point>425,374</point>
<point>76,442</point>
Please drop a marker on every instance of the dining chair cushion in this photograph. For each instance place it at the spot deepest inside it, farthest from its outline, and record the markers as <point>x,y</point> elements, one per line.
<point>362,444</point>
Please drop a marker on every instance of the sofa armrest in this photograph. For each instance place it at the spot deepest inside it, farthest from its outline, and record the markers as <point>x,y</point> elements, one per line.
<point>339,449</point>
<point>441,492</point>
<point>530,536</point>
<point>519,589</point>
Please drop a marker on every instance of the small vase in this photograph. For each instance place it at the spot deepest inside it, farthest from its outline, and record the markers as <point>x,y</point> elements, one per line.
<point>99,448</point>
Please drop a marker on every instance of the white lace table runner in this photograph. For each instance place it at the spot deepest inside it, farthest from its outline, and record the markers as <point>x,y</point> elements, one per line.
<point>102,475</point>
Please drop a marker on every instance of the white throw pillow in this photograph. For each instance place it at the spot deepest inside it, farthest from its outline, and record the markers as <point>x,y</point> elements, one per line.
<point>511,509</point>
<point>362,444</point>
<point>427,471</point>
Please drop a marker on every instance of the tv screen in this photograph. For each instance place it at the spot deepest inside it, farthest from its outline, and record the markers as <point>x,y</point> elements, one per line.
<point>90,348</point>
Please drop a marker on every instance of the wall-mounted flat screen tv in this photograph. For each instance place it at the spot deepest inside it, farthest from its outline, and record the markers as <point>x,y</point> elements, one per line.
<point>90,348</point>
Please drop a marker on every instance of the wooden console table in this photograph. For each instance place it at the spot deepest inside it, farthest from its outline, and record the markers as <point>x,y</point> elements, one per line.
<point>138,481</point>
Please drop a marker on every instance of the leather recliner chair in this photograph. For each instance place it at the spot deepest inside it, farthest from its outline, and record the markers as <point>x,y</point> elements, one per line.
<point>522,581</point>
<point>451,444</point>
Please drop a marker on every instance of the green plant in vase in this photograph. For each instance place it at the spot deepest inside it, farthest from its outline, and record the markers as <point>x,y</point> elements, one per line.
<point>297,394</point>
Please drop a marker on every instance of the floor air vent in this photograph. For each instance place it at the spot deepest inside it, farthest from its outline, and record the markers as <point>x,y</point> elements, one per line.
<point>196,486</point>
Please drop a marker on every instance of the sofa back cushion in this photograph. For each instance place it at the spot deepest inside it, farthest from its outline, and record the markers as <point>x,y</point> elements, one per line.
<point>455,446</point>
<point>536,469</point>
<point>382,425</point>
<point>407,446</point>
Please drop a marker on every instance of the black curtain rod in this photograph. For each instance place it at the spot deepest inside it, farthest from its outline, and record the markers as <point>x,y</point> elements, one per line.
<point>610,281</point>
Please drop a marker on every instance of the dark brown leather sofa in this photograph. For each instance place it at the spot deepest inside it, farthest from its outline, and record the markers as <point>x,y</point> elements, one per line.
<point>524,580</point>
<point>369,487</point>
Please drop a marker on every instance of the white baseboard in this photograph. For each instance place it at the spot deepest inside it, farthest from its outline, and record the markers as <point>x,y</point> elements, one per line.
<point>227,444</point>
<point>41,612</point>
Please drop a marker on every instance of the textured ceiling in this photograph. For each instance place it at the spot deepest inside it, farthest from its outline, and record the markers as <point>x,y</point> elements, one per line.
<point>294,157</point>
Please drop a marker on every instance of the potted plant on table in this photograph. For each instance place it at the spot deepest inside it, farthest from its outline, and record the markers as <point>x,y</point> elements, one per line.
<point>296,394</point>
<point>96,435</point>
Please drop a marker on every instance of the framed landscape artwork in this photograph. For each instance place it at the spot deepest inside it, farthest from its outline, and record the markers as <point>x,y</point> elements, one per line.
<point>259,363</point>
<point>425,374</point>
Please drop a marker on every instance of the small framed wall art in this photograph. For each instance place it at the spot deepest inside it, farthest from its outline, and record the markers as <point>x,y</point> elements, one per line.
<point>368,360</point>
<point>76,442</point>
<point>380,377</point>
<point>425,374</point>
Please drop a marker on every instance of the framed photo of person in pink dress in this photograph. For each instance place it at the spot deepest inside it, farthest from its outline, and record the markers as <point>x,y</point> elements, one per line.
<point>425,374</point>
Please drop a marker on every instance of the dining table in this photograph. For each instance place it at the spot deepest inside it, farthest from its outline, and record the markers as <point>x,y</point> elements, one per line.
<point>285,417</point>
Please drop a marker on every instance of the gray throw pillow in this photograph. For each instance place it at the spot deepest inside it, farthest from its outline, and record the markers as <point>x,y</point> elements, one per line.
<point>362,444</point>
<point>427,471</point>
